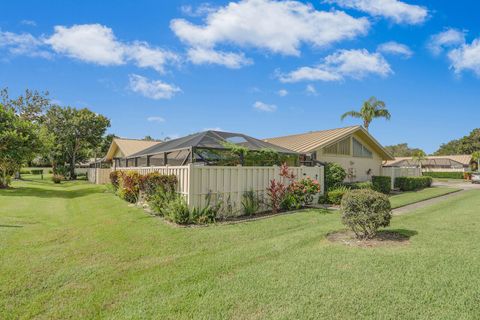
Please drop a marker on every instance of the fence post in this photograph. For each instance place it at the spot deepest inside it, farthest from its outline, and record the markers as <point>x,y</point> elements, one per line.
<point>392,177</point>
<point>190,187</point>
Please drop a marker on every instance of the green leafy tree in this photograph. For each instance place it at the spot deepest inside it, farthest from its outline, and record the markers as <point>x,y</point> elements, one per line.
<point>30,106</point>
<point>371,109</point>
<point>18,143</point>
<point>466,145</point>
<point>402,150</point>
<point>476,158</point>
<point>106,142</point>
<point>76,132</point>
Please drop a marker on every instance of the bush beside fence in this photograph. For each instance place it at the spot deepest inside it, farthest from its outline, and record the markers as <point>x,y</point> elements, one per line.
<point>445,175</point>
<point>412,183</point>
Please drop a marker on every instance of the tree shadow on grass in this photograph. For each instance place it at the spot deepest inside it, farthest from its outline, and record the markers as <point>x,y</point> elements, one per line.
<point>384,238</point>
<point>48,193</point>
<point>10,226</point>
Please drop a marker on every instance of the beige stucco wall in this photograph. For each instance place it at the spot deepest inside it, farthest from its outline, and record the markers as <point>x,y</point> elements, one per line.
<point>358,164</point>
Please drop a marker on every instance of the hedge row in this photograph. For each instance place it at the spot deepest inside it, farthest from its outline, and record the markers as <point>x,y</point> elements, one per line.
<point>412,183</point>
<point>444,175</point>
<point>382,184</point>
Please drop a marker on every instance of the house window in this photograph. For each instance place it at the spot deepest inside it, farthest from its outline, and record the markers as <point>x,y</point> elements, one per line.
<point>359,150</point>
<point>340,148</point>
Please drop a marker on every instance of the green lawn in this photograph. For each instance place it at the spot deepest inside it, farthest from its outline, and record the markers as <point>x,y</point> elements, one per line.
<point>407,198</point>
<point>74,251</point>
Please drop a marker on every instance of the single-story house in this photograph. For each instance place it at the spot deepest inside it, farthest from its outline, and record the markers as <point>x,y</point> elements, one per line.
<point>354,148</point>
<point>121,149</point>
<point>452,163</point>
<point>206,148</point>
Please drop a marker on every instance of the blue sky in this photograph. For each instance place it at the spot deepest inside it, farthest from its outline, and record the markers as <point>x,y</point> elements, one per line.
<point>261,67</point>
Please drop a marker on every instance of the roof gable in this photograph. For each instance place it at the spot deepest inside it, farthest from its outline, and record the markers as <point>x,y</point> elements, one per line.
<point>310,141</point>
<point>128,146</point>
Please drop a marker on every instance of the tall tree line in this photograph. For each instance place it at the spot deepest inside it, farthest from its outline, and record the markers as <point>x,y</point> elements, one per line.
<point>31,126</point>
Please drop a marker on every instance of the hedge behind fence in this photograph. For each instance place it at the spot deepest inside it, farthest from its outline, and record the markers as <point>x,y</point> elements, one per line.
<point>412,183</point>
<point>444,175</point>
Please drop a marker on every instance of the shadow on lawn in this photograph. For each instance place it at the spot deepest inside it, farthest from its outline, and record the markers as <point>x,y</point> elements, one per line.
<point>47,193</point>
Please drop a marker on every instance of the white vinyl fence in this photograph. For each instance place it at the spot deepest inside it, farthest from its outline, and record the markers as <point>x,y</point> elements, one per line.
<point>227,184</point>
<point>395,172</point>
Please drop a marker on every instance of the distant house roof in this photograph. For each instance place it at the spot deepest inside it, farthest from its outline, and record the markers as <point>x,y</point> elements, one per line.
<point>453,160</point>
<point>128,147</point>
<point>210,140</point>
<point>310,141</point>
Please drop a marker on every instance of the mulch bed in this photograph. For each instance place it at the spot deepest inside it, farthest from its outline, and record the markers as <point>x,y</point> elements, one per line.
<point>383,239</point>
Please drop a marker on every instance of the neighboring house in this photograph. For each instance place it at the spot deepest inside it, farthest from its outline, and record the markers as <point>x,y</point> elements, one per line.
<point>121,149</point>
<point>352,147</point>
<point>453,163</point>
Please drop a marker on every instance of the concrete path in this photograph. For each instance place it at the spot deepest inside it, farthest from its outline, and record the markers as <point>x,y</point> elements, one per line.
<point>425,203</point>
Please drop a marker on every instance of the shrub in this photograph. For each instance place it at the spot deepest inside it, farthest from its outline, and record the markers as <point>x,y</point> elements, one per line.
<point>444,175</point>
<point>359,185</point>
<point>36,171</point>
<point>290,202</point>
<point>382,184</point>
<point>159,199</point>
<point>114,176</point>
<point>334,175</point>
<point>365,211</point>
<point>56,178</point>
<point>304,190</point>
<point>335,196</point>
<point>128,186</point>
<point>276,192</point>
<point>412,183</point>
<point>323,199</point>
<point>207,214</point>
<point>150,182</point>
<point>176,210</point>
<point>250,203</point>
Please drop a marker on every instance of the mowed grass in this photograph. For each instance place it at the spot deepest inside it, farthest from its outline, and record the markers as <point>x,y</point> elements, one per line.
<point>411,197</point>
<point>74,251</point>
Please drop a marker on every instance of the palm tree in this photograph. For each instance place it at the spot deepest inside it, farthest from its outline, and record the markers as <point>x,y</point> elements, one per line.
<point>418,157</point>
<point>371,109</point>
<point>476,157</point>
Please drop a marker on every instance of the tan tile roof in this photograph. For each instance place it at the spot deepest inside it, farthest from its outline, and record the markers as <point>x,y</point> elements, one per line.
<point>307,142</point>
<point>464,159</point>
<point>128,146</point>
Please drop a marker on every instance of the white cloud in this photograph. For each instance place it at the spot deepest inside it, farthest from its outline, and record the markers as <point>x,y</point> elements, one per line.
<point>342,64</point>
<point>155,119</point>
<point>282,92</point>
<point>200,11</point>
<point>466,57</point>
<point>260,106</point>
<point>22,44</point>
<point>310,90</point>
<point>154,89</point>
<point>448,38</point>
<point>276,26</point>
<point>395,48</point>
<point>30,23</point>
<point>397,11</point>
<point>95,43</point>
<point>208,56</point>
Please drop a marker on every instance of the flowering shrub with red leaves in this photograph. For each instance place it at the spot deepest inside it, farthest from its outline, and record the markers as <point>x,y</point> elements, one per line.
<point>114,176</point>
<point>304,190</point>
<point>291,194</point>
<point>276,193</point>
<point>128,186</point>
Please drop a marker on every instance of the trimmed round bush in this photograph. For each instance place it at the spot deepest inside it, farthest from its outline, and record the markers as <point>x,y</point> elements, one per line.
<point>365,211</point>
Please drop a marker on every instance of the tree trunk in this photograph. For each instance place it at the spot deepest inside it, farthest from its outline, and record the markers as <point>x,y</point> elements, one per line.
<point>366,124</point>
<point>72,167</point>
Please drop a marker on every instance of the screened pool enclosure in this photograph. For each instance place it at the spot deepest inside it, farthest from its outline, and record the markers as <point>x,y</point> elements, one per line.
<point>212,148</point>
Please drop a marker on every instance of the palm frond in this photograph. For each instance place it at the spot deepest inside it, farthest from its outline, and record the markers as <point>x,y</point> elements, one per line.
<point>353,114</point>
